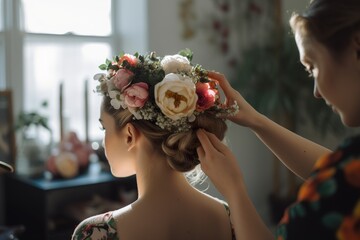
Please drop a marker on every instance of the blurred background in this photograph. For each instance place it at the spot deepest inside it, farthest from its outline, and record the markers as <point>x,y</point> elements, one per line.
<point>50,50</point>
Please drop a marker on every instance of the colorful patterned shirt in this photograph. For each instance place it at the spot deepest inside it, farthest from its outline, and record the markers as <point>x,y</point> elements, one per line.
<point>328,202</point>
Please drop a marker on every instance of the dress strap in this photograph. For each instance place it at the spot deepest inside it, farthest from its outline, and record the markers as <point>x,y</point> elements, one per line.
<point>231,225</point>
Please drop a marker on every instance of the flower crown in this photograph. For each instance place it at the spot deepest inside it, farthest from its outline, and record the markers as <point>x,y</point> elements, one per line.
<point>169,91</point>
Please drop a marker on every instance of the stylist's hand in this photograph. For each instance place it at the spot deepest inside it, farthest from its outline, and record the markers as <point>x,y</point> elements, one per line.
<point>247,115</point>
<point>218,163</point>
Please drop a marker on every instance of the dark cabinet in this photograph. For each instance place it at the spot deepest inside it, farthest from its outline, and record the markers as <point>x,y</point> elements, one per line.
<point>39,204</point>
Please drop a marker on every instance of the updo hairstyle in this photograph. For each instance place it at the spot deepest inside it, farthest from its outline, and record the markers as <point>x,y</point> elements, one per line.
<point>179,148</point>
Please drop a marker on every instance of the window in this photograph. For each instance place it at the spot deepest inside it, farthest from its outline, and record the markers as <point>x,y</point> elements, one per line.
<point>63,46</point>
<point>2,15</point>
<point>80,17</point>
<point>48,64</point>
<point>47,42</point>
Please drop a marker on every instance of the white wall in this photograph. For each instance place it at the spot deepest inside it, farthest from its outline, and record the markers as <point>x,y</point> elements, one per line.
<point>289,6</point>
<point>256,161</point>
<point>165,38</point>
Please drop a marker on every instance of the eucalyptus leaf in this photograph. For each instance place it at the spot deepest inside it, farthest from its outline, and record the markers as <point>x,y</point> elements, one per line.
<point>103,67</point>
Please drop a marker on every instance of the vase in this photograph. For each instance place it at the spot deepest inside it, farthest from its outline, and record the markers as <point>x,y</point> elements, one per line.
<point>31,156</point>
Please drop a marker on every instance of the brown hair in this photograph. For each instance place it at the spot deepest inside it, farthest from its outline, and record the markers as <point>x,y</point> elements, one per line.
<point>179,148</point>
<point>330,22</point>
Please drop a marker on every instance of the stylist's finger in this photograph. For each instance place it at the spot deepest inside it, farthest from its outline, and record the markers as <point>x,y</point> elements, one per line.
<point>246,114</point>
<point>200,152</point>
<point>218,162</point>
<point>206,145</point>
<point>224,83</point>
<point>212,149</point>
<point>210,143</point>
<point>229,91</point>
<point>206,152</point>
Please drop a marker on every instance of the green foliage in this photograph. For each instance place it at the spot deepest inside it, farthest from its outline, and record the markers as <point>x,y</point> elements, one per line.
<point>103,67</point>
<point>274,81</point>
<point>27,119</point>
<point>186,53</point>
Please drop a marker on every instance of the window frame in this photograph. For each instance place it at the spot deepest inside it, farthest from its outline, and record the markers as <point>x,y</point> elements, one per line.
<point>123,37</point>
<point>67,38</point>
<point>14,38</point>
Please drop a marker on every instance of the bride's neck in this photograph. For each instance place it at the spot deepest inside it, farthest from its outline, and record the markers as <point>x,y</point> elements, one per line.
<point>155,177</point>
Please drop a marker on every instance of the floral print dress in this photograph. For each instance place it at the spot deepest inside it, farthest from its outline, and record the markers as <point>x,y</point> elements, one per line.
<point>99,227</point>
<point>103,227</point>
<point>328,202</point>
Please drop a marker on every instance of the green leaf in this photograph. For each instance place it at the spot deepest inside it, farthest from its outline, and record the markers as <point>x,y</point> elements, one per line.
<point>327,188</point>
<point>297,210</point>
<point>281,231</point>
<point>332,220</point>
<point>44,104</point>
<point>186,53</point>
<point>27,119</point>
<point>114,67</point>
<point>103,67</point>
<point>107,62</point>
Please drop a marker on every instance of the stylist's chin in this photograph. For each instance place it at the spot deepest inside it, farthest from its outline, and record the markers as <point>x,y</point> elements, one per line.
<point>348,120</point>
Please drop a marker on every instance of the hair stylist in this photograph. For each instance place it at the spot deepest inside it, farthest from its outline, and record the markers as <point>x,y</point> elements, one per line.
<point>328,202</point>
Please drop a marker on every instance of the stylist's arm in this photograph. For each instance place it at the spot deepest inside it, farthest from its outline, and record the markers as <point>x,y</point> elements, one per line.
<point>246,221</point>
<point>296,152</point>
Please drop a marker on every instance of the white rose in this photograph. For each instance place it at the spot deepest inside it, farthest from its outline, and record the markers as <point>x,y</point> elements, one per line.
<point>175,63</point>
<point>176,96</point>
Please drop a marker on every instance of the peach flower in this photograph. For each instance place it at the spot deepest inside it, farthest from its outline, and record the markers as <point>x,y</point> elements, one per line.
<point>132,60</point>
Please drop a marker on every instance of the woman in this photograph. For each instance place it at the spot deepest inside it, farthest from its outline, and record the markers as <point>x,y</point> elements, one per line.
<point>328,202</point>
<point>150,112</point>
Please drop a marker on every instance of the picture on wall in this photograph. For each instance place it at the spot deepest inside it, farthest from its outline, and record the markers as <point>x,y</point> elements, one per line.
<point>7,136</point>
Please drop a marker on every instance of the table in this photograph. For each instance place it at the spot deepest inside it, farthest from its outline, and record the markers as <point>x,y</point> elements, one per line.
<point>38,203</point>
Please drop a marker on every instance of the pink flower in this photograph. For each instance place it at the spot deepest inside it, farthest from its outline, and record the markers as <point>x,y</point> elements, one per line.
<point>122,78</point>
<point>136,95</point>
<point>206,96</point>
<point>132,60</point>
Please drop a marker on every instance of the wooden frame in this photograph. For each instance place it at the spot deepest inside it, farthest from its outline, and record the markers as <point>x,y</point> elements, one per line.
<point>7,133</point>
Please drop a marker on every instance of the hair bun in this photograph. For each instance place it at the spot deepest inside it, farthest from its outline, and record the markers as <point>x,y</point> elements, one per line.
<point>180,148</point>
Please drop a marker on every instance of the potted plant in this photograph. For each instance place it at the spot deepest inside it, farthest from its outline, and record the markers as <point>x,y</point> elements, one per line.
<point>31,150</point>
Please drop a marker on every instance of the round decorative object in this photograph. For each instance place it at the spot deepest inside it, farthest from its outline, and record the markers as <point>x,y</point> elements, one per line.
<point>67,164</point>
<point>4,167</point>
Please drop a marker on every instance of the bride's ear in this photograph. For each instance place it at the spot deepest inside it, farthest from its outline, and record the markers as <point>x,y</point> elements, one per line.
<point>132,135</point>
